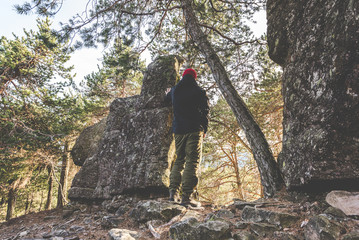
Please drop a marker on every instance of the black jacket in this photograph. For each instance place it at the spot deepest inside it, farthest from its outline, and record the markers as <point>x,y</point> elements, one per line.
<point>190,106</point>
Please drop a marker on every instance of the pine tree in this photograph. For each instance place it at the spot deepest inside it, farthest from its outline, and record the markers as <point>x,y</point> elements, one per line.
<point>37,113</point>
<point>120,75</point>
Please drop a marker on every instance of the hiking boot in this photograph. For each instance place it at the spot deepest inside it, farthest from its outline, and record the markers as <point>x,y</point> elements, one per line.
<point>187,202</point>
<point>172,196</point>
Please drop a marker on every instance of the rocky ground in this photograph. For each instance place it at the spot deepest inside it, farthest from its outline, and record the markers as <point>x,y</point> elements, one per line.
<point>295,216</point>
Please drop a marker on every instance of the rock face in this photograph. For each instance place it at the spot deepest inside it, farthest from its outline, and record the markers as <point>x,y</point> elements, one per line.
<point>87,143</point>
<point>317,43</point>
<point>134,152</point>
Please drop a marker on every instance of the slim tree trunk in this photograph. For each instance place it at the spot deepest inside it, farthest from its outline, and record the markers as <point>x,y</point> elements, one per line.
<point>63,177</point>
<point>238,179</point>
<point>31,201</point>
<point>11,204</point>
<point>270,175</point>
<point>50,187</point>
<point>41,200</point>
<point>27,203</point>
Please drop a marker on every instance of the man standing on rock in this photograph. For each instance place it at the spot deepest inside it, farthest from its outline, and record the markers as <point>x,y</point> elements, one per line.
<point>190,122</point>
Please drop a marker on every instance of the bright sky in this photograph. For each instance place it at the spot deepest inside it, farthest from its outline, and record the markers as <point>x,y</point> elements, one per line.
<point>84,60</point>
<point>261,23</point>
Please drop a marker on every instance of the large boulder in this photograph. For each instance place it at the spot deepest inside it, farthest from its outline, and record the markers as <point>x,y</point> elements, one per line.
<point>317,43</point>
<point>135,151</point>
<point>348,202</point>
<point>123,234</point>
<point>87,143</point>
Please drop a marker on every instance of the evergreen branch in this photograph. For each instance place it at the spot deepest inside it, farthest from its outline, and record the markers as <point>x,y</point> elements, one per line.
<point>32,132</point>
<point>223,10</point>
<point>158,30</point>
<point>153,12</point>
<point>228,38</point>
<point>62,2</point>
<point>254,2</point>
<point>98,13</point>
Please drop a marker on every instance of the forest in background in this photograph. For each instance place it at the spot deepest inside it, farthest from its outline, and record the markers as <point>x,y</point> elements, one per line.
<point>43,110</point>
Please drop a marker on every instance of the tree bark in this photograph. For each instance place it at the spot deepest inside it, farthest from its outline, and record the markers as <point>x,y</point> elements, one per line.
<point>63,177</point>
<point>27,203</point>
<point>271,178</point>
<point>31,202</point>
<point>10,204</point>
<point>238,178</point>
<point>50,187</point>
<point>41,200</point>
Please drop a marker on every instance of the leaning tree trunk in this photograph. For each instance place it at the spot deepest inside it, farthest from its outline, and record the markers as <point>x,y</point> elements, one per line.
<point>268,168</point>
<point>63,177</point>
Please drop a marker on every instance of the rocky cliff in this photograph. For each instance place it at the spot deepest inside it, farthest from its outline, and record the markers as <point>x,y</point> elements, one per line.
<point>317,43</point>
<point>133,153</point>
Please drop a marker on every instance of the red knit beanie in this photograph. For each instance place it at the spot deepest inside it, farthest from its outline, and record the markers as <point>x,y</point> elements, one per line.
<point>190,71</point>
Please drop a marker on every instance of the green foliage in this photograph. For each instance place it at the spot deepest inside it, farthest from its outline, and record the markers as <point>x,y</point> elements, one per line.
<point>44,7</point>
<point>31,61</point>
<point>28,66</point>
<point>120,75</point>
<point>37,114</point>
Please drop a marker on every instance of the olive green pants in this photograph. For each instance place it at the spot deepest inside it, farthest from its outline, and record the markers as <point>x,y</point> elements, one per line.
<point>188,151</point>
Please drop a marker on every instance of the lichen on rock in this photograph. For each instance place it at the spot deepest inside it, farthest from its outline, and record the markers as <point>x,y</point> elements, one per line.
<point>317,44</point>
